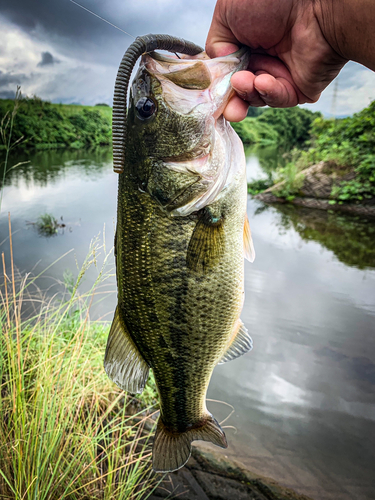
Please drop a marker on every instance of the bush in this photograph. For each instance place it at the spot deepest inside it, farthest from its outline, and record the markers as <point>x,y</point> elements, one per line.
<point>286,128</point>
<point>350,143</point>
<point>45,125</point>
<point>292,125</point>
<point>251,131</point>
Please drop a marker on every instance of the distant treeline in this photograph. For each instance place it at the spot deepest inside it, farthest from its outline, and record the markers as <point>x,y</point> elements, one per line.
<point>47,126</point>
<point>285,128</point>
<point>44,125</point>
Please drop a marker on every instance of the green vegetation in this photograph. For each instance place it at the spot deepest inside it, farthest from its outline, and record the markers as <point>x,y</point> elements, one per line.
<point>258,186</point>
<point>66,431</point>
<point>8,142</point>
<point>42,125</point>
<point>285,128</point>
<point>347,144</point>
<point>350,143</point>
<point>47,225</point>
<point>293,181</point>
<point>252,131</point>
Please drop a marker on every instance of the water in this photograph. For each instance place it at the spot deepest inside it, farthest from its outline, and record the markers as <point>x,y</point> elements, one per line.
<point>304,397</point>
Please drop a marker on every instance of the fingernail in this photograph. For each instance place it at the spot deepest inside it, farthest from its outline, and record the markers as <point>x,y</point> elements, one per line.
<point>261,92</point>
<point>240,93</point>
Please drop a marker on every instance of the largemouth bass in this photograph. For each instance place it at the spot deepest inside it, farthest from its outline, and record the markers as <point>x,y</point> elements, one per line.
<point>182,235</point>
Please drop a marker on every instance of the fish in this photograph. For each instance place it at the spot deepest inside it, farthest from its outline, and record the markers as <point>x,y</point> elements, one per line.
<point>181,238</point>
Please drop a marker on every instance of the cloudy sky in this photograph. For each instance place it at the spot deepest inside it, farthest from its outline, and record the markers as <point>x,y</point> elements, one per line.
<point>61,53</point>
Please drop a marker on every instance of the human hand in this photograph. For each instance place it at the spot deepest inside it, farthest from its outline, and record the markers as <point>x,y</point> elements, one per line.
<point>291,61</point>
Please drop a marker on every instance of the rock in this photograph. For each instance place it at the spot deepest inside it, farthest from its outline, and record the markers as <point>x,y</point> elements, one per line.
<point>222,488</point>
<point>210,476</point>
<point>315,191</point>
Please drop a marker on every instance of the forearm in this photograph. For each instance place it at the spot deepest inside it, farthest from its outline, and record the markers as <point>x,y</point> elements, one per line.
<point>349,27</point>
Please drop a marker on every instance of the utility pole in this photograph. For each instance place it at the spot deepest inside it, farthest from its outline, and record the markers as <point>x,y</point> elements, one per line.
<point>334,97</point>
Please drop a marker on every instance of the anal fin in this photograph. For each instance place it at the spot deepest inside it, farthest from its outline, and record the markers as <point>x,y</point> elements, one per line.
<point>172,450</point>
<point>248,244</point>
<point>123,362</point>
<point>240,344</point>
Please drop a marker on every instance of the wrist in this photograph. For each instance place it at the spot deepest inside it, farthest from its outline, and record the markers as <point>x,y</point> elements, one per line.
<point>347,26</point>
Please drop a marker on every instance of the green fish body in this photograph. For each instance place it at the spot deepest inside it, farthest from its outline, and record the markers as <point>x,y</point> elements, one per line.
<point>181,238</point>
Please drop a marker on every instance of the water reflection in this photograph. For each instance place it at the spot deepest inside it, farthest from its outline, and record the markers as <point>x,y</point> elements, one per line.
<point>304,397</point>
<point>262,162</point>
<point>351,238</point>
<point>42,167</point>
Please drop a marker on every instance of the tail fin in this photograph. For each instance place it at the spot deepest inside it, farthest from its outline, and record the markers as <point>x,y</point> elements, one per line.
<point>172,450</point>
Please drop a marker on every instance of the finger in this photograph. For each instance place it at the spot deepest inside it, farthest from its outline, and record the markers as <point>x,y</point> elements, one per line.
<point>236,109</point>
<point>276,92</point>
<point>243,84</point>
<point>275,68</point>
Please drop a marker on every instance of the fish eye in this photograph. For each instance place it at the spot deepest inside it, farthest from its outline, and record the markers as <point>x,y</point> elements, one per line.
<point>145,107</point>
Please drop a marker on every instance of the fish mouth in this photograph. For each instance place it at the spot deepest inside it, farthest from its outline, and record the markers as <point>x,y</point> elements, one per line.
<point>198,87</point>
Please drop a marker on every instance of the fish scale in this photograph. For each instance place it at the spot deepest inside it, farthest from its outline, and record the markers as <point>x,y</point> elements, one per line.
<point>180,278</point>
<point>155,284</point>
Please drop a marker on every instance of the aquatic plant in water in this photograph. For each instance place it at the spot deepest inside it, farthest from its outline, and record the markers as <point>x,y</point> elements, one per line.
<point>47,225</point>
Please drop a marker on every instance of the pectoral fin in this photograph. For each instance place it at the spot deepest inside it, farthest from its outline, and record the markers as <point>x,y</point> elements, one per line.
<point>240,344</point>
<point>248,242</point>
<point>123,362</point>
<point>206,246</point>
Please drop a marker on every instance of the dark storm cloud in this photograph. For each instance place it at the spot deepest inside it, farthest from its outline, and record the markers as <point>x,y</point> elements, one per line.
<point>47,59</point>
<point>11,78</point>
<point>74,32</point>
<point>7,94</point>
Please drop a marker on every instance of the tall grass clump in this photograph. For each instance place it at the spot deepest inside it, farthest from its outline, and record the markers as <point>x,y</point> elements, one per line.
<point>7,141</point>
<point>66,431</point>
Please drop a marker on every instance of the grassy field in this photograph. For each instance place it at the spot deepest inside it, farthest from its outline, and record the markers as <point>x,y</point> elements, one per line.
<point>66,431</point>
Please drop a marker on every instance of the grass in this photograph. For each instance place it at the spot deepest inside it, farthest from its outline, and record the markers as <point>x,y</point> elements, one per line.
<point>8,143</point>
<point>66,431</point>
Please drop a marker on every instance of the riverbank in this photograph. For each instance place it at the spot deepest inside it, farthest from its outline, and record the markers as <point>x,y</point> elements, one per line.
<point>334,169</point>
<point>319,187</point>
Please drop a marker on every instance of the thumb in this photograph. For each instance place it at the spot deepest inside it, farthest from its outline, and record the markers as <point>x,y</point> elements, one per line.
<point>220,39</point>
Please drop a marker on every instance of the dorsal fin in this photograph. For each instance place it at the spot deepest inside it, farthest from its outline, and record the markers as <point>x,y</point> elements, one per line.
<point>248,241</point>
<point>123,362</point>
<point>239,344</point>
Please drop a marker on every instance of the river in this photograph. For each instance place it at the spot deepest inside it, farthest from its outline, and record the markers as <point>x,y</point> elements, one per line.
<point>304,397</point>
